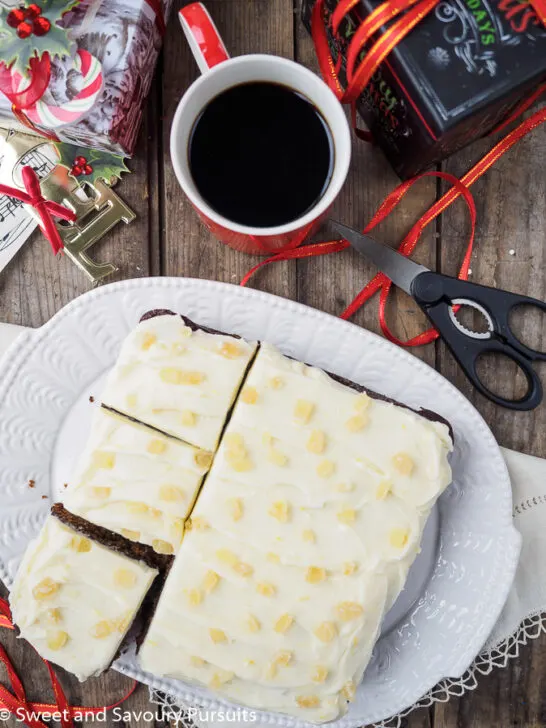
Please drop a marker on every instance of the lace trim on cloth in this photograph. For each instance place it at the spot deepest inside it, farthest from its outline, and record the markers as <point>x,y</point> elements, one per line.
<point>530,629</point>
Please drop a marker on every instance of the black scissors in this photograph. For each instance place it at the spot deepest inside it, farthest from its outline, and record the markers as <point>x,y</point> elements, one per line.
<point>436,294</point>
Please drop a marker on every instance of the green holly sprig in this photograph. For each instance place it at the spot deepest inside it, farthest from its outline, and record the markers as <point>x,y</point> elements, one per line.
<point>31,29</point>
<point>91,164</point>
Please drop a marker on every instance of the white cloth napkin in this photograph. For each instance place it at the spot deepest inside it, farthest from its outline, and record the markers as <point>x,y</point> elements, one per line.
<point>519,621</point>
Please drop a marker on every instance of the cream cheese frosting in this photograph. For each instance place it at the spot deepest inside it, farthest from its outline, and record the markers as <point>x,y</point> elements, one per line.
<point>300,542</point>
<point>74,600</point>
<point>180,381</point>
<point>136,481</point>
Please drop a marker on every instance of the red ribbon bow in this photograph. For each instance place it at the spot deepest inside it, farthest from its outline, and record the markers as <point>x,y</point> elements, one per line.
<point>16,702</point>
<point>46,208</point>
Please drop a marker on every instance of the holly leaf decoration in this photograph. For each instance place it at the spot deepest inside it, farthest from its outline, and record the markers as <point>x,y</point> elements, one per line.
<point>98,165</point>
<point>19,51</point>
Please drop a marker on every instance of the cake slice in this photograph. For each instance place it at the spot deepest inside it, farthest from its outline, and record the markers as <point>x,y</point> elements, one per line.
<point>74,599</point>
<point>300,541</point>
<point>178,377</point>
<point>137,482</point>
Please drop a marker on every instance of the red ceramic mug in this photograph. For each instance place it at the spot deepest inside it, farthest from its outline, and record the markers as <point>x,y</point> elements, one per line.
<point>220,72</point>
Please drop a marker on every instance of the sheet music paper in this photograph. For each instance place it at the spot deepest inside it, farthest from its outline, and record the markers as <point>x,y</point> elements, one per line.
<point>16,225</point>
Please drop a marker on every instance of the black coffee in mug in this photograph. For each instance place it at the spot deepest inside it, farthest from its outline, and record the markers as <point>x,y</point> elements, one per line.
<point>261,154</point>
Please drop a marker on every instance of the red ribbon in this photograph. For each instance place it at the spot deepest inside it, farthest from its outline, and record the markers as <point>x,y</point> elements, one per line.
<point>46,208</point>
<point>16,701</point>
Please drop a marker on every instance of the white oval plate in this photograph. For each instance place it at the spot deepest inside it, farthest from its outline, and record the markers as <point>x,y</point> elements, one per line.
<point>457,587</point>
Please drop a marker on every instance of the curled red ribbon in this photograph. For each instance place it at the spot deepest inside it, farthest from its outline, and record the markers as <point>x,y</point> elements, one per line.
<point>16,702</point>
<point>46,208</point>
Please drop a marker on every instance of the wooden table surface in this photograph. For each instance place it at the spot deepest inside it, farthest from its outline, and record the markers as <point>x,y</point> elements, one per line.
<point>168,239</point>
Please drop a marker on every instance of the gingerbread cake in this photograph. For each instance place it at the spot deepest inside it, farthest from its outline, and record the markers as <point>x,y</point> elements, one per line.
<point>283,507</point>
<point>74,599</point>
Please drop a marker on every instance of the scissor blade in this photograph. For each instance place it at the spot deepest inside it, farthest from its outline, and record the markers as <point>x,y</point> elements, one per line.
<point>398,268</point>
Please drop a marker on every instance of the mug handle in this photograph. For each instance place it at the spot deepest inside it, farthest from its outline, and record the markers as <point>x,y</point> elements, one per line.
<point>203,37</point>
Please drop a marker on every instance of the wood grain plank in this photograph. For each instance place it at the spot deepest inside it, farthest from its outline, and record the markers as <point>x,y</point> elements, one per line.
<point>263,26</point>
<point>331,282</point>
<point>511,202</point>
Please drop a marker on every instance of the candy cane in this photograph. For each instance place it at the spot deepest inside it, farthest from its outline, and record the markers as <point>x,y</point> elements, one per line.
<point>52,116</point>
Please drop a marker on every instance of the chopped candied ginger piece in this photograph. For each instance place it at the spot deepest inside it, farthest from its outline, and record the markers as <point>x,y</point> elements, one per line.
<point>171,493</point>
<point>273,558</point>
<point>229,350</point>
<point>325,468</point>
<point>383,490</point>
<point>162,547</point>
<point>156,446</point>
<point>220,678</point>
<point>57,640</point>
<point>319,674</point>
<point>315,574</point>
<point>249,395</point>
<point>210,581</point>
<point>349,691</point>
<point>197,661</point>
<point>277,457</point>
<point>309,535</point>
<point>186,332</point>
<point>308,701</point>
<point>283,658</point>
<point>346,515</point>
<point>217,635</point>
<point>148,340</point>
<point>283,623</point>
<point>125,578</point>
<point>362,402</point>
<point>303,411</point>
<point>104,460</point>
<point>344,487</point>
<point>203,459</point>
<point>102,629</point>
<point>171,375</point>
<point>240,464</point>
<point>80,544</point>
<point>130,534</point>
<point>316,442</point>
<point>325,631</point>
<point>346,611</point>
<point>266,589</point>
<point>53,616</point>
<point>132,401</point>
<point>177,529</point>
<point>227,557</point>
<point>403,463</point>
<point>100,492</point>
<point>356,423</point>
<point>275,383</point>
<point>280,510</point>
<point>45,589</point>
<point>235,442</point>
<point>136,507</point>
<point>398,537</point>
<point>197,523</point>
<point>350,567</point>
<point>188,418</point>
<point>253,623</point>
<point>194,597</point>
<point>243,569</point>
<point>271,671</point>
<point>235,506</point>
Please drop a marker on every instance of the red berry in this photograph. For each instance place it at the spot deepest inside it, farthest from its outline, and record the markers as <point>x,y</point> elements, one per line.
<point>88,169</point>
<point>24,29</point>
<point>41,26</point>
<point>15,17</point>
<point>80,161</point>
<point>76,171</point>
<point>33,10</point>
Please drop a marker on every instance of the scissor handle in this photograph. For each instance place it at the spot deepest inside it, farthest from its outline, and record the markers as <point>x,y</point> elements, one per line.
<point>435,292</point>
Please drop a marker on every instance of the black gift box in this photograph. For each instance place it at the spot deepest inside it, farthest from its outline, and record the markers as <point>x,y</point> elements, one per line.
<point>452,79</point>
